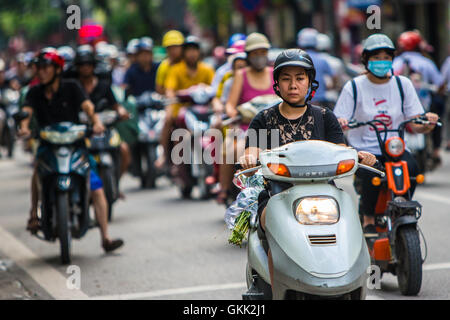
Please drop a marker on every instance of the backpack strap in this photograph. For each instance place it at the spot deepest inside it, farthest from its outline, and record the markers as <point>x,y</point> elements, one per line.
<point>355,96</point>
<point>402,94</point>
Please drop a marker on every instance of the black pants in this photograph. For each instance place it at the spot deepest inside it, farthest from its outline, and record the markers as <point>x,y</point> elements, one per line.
<point>438,107</point>
<point>369,193</point>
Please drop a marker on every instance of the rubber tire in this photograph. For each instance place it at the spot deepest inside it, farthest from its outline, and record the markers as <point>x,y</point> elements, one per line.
<point>409,266</point>
<point>110,187</point>
<point>62,225</point>
<point>9,141</point>
<point>205,189</point>
<point>150,175</point>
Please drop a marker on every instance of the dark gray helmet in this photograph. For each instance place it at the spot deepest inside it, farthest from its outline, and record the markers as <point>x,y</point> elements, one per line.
<point>85,54</point>
<point>295,58</point>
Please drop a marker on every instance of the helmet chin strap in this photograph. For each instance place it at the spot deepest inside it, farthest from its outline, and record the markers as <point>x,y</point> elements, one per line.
<point>312,92</point>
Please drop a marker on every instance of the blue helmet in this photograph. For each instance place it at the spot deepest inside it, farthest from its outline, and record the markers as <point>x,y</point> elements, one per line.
<point>236,37</point>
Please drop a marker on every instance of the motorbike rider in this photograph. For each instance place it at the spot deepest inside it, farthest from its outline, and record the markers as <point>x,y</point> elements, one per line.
<point>307,40</point>
<point>173,42</point>
<point>445,71</point>
<point>235,39</point>
<point>238,61</point>
<point>250,82</point>
<point>410,44</point>
<point>294,119</point>
<point>378,97</point>
<point>190,71</point>
<point>99,89</point>
<point>324,48</point>
<point>3,85</point>
<point>55,100</point>
<point>141,75</point>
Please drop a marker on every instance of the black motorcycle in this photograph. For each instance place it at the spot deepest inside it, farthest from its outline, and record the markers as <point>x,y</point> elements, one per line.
<point>64,173</point>
<point>194,170</point>
<point>150,107</point>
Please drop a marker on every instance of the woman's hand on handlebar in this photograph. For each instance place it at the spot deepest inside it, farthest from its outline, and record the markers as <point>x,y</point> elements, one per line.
<point>248,161</point>
<point>367,158</point>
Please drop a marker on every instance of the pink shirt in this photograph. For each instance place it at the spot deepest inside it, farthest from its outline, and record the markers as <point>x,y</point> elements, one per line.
<point>248,92</point>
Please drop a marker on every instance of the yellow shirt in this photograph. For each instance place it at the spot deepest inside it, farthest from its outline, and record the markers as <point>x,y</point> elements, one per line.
<point>179,79</point>
<point>162,72</point>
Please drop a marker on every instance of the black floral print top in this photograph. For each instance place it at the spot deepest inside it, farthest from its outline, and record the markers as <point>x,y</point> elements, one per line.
<point>316,123</point>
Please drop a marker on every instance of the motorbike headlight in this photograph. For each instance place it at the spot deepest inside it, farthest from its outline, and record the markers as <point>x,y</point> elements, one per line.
<point>56,137</point>
<point>115,139</point>
<point>395,146</point>
<point>318,210</point>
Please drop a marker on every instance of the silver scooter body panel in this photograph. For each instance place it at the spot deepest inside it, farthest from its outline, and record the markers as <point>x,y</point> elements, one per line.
<point>299,265</point>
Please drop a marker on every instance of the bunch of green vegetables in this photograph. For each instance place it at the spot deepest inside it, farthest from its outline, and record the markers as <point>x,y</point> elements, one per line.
<point>239,232</point>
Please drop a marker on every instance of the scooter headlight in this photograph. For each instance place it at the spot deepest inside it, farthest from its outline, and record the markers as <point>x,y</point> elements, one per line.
<point>316,210</point>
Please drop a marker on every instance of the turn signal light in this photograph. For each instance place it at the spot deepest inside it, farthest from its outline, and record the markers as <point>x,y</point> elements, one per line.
<point>279,169</point>
<point>420,178</point>
<point>345,166</point>
<point>376,181</point>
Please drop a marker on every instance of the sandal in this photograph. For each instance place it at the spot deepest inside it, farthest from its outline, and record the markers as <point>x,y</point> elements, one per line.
<point>33,225</point>
<point>111,245</point>
<point>222,197</point>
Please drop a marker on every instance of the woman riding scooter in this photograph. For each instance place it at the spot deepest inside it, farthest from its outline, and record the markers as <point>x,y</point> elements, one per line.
<point>377,95</point>
<point>294,119</point>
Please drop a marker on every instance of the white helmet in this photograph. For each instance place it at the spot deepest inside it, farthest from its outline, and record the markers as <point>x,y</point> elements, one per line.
<point>323,42</point>
<point>132,46</point>
<point>307,38</point>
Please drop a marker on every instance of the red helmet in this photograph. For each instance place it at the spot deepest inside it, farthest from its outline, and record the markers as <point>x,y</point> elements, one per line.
<point>409,40</point>
<point>47,56</point>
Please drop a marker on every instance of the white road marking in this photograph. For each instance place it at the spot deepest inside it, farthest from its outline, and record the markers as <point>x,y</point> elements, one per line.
<point>433,197</point>
<point>176,291</point>
<point>44,274</point>
<point>227,286</point>
<point>436,266</point>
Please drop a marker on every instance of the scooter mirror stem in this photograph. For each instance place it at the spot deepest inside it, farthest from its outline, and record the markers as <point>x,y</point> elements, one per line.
<point>236,175</point>
<point>381,173</point>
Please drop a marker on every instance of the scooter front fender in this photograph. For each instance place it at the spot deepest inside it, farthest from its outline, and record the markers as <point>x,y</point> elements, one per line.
<point>296,255</point>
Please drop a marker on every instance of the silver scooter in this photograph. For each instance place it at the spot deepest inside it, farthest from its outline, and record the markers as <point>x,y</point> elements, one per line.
<point>312,226</point>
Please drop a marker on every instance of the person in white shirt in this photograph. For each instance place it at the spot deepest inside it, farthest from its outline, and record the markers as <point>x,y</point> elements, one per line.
<point>445,71</point>
<point>378,96</point>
